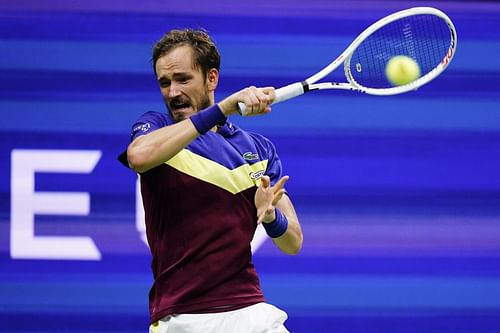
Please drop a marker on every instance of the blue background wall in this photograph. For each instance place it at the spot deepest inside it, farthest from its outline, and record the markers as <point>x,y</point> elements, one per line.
<point>399,197</point>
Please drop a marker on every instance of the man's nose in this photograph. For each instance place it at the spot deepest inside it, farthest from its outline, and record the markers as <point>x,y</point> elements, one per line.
<point>173,90</point>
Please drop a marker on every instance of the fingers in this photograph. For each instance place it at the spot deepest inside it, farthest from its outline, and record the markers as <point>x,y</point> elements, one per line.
<point>265,181</point>
<point>257,100</point>
<point>270,91</point>
<point>278,189</point>
<point>281,183</point>
<point>267,197</point>
<point>277,196</point>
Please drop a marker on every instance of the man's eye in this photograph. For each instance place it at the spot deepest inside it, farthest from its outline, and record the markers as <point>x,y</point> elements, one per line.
<point>164,84</point>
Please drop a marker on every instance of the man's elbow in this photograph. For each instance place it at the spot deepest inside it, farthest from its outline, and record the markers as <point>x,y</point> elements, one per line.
<point>295,248</point>
<point>136,160</point>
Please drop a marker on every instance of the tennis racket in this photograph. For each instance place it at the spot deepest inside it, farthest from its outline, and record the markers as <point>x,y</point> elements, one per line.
<point>424,34</point>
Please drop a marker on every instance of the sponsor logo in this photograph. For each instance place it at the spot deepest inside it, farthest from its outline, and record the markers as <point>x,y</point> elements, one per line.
<point>143,128</point>
<point>256,175</point>
<point>249,156</point>
<point>448,57</point>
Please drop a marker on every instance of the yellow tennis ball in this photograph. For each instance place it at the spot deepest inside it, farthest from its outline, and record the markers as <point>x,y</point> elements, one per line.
<point>401,70</point>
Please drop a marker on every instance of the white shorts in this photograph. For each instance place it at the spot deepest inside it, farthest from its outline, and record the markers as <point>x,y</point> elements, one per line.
<point>257,318</point>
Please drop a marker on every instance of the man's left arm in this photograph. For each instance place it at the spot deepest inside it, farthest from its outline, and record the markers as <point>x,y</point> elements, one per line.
<point>277,214</point>
<point>291,241</point>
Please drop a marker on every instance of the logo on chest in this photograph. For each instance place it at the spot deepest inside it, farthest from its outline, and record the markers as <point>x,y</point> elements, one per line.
<point>249,156</point>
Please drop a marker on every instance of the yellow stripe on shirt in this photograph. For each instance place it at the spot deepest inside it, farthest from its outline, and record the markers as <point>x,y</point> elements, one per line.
<point>234,181</point>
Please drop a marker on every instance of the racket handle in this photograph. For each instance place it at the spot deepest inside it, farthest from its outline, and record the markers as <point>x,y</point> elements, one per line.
<point>288,92</point>
<point>282,94</point>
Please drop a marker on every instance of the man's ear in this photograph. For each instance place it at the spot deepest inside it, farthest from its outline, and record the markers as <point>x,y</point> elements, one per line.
<point>212,79</point>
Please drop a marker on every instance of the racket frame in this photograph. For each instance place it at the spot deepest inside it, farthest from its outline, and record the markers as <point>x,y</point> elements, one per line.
<point>299,88</point>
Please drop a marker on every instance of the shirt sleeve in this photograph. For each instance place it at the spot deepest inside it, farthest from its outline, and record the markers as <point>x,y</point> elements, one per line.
<point>147,123</point>
<point>267,151</point>
<point>274,166</point>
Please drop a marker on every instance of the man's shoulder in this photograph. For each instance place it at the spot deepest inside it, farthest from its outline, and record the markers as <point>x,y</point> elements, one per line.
<point>151,120</point>
<point>265,147</point>
<point>260,139</point>
<point>154,116</point>
<point>253,135</point>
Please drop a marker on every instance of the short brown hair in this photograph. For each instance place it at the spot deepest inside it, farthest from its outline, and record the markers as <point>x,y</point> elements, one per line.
<point>206,55</point>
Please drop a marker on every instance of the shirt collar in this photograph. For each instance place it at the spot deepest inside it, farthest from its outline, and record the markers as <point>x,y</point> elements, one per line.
<point>226,129</point>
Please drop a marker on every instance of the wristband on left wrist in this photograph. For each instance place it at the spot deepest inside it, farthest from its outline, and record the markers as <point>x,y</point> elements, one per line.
<point>277,227</point>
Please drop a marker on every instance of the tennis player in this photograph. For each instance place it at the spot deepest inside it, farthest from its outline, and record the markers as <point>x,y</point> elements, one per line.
<point>206,184</point>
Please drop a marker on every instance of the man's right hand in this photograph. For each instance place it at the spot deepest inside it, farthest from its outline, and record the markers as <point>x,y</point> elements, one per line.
<point>257,101</point>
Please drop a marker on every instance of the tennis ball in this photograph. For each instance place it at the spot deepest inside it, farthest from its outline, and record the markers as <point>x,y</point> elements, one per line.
<point>401,70</point>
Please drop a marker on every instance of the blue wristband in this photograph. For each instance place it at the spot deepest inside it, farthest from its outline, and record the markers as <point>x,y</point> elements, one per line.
<point>206,119</point>
<point>278,227</point>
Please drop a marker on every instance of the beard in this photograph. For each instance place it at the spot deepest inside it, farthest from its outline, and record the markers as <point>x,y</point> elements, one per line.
<point>181,108</point>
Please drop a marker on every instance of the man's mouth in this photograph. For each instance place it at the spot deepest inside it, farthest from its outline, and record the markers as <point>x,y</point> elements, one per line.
<point>179,105</point>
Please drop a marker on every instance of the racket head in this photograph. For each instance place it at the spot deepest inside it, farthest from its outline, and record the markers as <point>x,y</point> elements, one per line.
<point>424,34</point>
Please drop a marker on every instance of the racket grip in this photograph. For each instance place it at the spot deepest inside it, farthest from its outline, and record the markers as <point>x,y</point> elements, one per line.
<point>282,94</point>
<point>242,109</point>
<point>288,92</point>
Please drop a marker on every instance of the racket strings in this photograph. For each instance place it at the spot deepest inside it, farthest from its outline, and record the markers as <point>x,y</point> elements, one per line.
<point>424,38</point>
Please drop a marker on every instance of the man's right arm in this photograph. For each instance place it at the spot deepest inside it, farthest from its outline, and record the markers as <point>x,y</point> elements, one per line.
<point>150,150</point>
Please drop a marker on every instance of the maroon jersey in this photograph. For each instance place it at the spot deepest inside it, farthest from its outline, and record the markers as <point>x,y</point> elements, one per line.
<point>200,219</point>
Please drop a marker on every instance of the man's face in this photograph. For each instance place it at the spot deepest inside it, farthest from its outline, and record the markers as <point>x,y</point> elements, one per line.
<point>184,88</point>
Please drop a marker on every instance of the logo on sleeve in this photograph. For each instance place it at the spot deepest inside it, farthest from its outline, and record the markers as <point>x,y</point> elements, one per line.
<point>143,128</point>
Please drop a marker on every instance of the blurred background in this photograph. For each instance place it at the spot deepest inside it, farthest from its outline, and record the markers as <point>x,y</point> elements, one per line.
<point>399,197</point>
